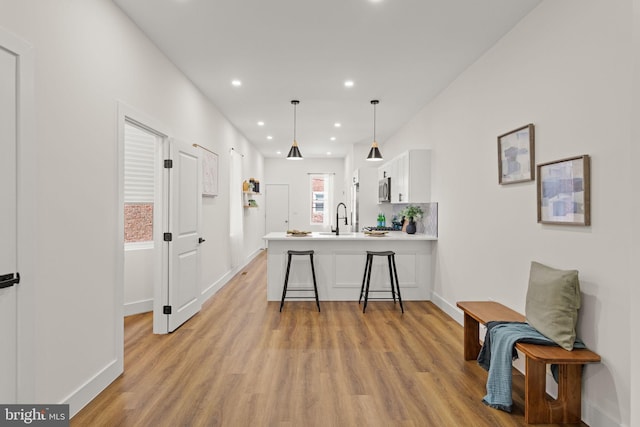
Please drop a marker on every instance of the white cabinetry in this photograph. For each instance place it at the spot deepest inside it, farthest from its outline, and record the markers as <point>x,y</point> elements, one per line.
<point>410,174</point>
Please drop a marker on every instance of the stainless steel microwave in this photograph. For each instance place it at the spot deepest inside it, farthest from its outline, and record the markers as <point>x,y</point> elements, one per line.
<point>384,190</point>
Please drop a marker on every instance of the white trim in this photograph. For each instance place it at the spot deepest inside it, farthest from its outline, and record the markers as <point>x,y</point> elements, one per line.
<point>27,208</point>
<point>212,289</point>
<point>126,113</point>
<point>92,387</point>
<point>138,246</point>
<point>138,307</point>
<point>453,312</point>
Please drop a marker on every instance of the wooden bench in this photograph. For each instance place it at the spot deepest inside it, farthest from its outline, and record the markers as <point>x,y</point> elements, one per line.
<point>539,408</point>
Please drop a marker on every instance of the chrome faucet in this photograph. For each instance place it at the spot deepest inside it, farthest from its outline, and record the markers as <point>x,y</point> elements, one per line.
<point>337,230</point>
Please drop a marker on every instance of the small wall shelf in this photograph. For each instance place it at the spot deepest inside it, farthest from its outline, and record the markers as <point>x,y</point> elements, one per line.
<point>248,187</point>
<point>248,201</point>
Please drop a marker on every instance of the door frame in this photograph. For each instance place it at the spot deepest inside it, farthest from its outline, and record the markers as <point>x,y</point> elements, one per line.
<point>127,113</point>
<point>26,205</point>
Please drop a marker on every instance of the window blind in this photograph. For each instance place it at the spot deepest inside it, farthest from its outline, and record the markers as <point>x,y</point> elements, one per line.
<point>139,165</point>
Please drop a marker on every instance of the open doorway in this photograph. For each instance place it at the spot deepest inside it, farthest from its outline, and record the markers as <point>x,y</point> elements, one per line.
<point>159,223</point>
<point>142,210</point>
<point>141,140</point>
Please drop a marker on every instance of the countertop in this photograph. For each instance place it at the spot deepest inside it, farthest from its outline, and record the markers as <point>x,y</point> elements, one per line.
<point>326,236</point>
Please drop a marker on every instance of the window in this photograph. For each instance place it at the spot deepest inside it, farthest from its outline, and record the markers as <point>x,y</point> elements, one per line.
<point>321,186</point>
<point>139,183</point>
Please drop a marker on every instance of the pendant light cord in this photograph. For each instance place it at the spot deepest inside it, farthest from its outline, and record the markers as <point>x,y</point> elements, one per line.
<point>374,122</point>
<point>295,104</point>
<point>374,102</point>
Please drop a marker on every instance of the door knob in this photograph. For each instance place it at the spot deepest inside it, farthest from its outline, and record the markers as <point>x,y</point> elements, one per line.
<point>201,240</point>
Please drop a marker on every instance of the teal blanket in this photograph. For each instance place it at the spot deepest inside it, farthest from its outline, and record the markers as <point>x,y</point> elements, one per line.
<point>498,353</point>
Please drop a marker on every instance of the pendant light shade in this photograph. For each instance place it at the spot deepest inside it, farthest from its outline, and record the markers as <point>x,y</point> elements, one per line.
<point>374,153</point>
<point>294,152</point>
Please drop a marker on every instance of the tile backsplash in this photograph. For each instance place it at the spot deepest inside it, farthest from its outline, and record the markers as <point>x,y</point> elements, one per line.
<point>428,224</point>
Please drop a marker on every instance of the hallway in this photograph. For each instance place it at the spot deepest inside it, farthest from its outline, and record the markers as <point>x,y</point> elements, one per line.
<point>240,362</point>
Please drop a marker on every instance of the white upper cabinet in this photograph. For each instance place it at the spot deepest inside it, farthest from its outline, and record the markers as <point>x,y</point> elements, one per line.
<point>410,174</point>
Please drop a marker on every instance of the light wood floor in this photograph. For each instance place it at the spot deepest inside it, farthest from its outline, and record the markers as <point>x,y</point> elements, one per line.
<point>240,362</point>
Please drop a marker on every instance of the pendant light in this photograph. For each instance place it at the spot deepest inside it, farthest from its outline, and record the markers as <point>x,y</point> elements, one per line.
<point>374,153</point>
<point>294,152</point>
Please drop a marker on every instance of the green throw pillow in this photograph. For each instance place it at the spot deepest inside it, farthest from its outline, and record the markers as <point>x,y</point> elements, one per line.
<point>553,300</point>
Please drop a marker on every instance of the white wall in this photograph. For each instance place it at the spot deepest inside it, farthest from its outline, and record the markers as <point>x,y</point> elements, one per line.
<point>566,67</point>
<point>89,56</point>
<point>295,173</point>
<point>138,280</point>
<point>635,253</point>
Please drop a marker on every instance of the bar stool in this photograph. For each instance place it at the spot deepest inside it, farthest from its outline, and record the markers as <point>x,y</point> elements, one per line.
<point>286,279</point>
<point>393,273</point>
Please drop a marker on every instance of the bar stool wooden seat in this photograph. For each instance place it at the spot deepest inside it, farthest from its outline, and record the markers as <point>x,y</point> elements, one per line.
<point>393,274</point>
<point>286,288</point>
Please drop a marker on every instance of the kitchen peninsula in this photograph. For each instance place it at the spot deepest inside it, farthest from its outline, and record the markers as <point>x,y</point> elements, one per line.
<point>339,263</point>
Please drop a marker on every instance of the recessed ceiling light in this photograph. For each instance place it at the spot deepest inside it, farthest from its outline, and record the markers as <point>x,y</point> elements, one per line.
<point>336,124</point>
<point>269,137</point>
<point>328,153</point>
<point>236,83</point>
<point>261,123</point>
<point>348,83</point>
<point>278,152</point>
<point>333,138</point>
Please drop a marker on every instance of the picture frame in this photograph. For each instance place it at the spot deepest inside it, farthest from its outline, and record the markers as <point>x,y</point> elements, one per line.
<point>516,155</point>
<point>209,173</point>
<point>564,191</point>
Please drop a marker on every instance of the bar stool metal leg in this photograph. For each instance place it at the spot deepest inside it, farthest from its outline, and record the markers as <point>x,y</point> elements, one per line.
<point>395,272</point>
<point>364,278</point>
<point>286,282</point>
<point>368,275</point>
<point>315,286</point>
<point>393,290</point>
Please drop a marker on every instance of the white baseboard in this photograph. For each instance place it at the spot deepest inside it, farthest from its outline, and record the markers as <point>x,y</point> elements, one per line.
<point>138,307</point>
<point>93,387</point>
<point>212,289</point>
<point>591,415</point>
<point>453,312</point>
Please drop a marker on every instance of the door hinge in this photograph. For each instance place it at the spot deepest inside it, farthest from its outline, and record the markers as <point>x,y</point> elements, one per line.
<point>168,164</point>
<point>166,309</point>
<point>168,237</point>
<point>8,280</point>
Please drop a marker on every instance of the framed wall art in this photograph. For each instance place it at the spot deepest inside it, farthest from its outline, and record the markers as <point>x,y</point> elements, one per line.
<point>516,155</point>
<point>209,173</point>
<point>564,191</point>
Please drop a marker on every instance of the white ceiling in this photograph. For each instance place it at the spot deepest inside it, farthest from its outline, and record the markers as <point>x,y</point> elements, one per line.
<point>402,52</point>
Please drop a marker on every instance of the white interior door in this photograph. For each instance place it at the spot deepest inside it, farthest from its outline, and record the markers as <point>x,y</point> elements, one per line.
<point>277,207</point>
<point>184,226</point>
<point>8,227</point>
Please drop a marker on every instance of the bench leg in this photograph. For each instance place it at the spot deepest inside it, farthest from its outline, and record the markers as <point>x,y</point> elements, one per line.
<point>471,338</point>
<point>541,409</point>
